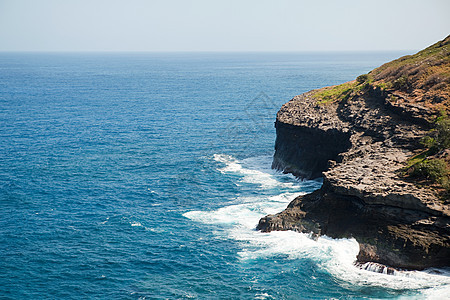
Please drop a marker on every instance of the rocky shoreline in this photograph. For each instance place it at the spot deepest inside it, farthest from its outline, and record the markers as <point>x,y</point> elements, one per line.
<point>359,144</point>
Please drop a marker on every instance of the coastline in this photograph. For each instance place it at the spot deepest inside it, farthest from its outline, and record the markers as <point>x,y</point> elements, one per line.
<point>361,140</point>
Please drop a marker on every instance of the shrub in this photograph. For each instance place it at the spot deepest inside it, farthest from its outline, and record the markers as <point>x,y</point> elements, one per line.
<point>428,142</point>
<point>384,85</point>
<point>401,83</point>
<point>362,78</point>
<point>439,139</point>
<point>443,133</point>
<point>445,183</point>
<point>393,98</point>
<point>432,169</point>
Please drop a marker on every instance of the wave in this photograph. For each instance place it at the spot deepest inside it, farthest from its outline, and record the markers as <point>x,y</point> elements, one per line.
<point>257,170</point>
<point>334,256</point>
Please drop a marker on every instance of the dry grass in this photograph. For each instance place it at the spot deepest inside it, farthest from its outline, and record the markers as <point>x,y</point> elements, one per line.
<point>423,78</point>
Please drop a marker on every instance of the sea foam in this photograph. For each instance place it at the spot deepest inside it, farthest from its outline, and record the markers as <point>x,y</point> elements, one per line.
<point>335,256</point>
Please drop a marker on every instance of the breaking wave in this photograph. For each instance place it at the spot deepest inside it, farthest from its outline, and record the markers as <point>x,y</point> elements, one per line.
<point>334,256</point>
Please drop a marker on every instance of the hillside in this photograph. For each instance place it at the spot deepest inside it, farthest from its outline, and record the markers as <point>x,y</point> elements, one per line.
<point>381,144</point>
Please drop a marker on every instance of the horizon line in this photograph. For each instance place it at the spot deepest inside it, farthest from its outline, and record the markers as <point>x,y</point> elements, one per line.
<point>205,51</point>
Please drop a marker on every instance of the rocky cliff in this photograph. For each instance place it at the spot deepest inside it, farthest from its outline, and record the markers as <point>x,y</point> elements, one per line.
<point>364,137</point>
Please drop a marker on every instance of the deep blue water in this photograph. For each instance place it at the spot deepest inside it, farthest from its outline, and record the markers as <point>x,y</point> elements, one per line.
<point>132,176</point>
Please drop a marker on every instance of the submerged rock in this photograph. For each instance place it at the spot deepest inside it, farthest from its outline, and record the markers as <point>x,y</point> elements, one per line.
<point>359,142</point>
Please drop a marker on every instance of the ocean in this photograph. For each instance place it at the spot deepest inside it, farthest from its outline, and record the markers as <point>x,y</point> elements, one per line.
<point>144,175</point>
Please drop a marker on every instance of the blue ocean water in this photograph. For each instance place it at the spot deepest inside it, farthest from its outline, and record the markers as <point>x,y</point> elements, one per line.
<point>143,176</point>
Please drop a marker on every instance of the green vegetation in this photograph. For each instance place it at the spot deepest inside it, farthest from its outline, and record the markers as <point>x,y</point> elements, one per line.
<point>392,98</point>
<point>428,141</point>
<point>418,158</point>
<point>363,78</point>
<point>431,169</point>
<point>443,134</point>
<point>343,91</point>
<point>335,93</point>
<point>401,83</point>
<point>439,139</point>
<point>383,85</point>
<point>364,81</point>
<point>422,78</point>
<point>436,54</point>
<point>426,165</point>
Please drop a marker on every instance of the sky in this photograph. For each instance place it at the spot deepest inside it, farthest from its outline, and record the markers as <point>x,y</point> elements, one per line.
<point>231,25</point>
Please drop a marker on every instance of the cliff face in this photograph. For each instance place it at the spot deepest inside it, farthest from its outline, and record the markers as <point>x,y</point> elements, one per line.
<point>307,162</point>
<point>359,139</point>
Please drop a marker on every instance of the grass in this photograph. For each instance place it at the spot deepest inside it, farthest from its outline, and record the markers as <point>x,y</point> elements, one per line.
<point>418,158</point>
<point>343,91</point>
<point>422,77</point>
<point>336,93</point>
<point>436,53</point>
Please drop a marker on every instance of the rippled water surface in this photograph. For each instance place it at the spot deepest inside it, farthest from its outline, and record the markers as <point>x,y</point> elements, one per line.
<point>144,175</point>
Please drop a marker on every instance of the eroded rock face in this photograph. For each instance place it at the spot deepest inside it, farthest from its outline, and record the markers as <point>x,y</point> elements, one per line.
<point>309,162</point>
<point>359,145</point>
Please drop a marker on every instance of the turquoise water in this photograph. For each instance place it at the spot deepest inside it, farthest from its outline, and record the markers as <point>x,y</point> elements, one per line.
<point>132,176</point>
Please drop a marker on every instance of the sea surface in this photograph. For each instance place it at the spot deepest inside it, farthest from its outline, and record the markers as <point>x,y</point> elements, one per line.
<point>143,176</point>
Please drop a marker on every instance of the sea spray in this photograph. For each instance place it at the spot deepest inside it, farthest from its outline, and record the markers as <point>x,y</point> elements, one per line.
<point>334,256</point>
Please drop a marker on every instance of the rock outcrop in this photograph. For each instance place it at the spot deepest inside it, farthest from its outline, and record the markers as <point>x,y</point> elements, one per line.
<point>359,141</point>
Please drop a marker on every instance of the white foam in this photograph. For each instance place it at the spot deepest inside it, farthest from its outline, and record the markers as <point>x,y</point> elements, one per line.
<point>335,256</point>
<point>256,170</point>
<point>245,214</point>
<point>263,296</point>
<point>249,175</point>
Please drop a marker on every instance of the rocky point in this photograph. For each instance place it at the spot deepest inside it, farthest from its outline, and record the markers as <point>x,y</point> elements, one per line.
<point>362,138</point>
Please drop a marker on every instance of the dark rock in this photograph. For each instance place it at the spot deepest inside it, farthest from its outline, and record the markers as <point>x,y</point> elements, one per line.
<point>358,145</point>
<point>324,146</point>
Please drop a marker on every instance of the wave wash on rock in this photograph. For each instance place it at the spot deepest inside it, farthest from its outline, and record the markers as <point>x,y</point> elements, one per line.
<point>360,136</point>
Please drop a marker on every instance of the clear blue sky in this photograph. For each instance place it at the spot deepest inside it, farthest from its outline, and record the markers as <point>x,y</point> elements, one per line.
<point>231,25</point>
